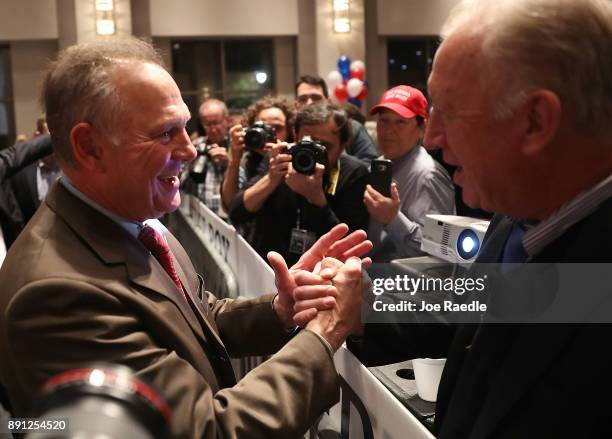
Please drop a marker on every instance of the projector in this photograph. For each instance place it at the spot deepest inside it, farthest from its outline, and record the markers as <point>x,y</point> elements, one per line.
<point>455,239</point>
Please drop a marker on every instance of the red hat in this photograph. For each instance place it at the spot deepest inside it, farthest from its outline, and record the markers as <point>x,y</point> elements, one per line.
<point>406,101</point>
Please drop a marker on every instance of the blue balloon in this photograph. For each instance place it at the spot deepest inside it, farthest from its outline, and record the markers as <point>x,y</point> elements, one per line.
<point>344,67</point>
<point>356,102</point>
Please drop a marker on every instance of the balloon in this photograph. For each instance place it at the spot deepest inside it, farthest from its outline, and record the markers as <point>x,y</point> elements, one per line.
<point>358,64</point>
<point>364,93</point>
<point>333,79</point>
<point>340,92</point>
<point>354,87</point>
<point>344,67</point>
<point>344,63</point>
<point>357,73</point>
<point>355,101</point>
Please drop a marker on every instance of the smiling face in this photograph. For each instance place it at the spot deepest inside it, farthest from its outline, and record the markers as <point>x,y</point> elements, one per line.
<point>140,175</point>
<point>485,149</point>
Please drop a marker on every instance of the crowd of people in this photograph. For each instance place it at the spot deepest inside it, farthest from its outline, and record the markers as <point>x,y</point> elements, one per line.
<point>520,103</point>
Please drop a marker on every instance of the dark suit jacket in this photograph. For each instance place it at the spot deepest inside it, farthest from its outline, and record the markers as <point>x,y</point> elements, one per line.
<point>25,188</point>
<point>77,288</point>
<point>522,380</point>
<point>12,160</point>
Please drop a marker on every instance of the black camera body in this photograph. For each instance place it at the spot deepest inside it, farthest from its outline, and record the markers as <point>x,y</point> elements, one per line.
<point>197,169</point>
<point>257,135</point>
<point>305,155</point>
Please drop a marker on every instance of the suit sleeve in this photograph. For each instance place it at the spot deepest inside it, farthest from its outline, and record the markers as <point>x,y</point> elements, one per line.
<point>22,154</point>
<point>83,323</point>
<point>248,326</point>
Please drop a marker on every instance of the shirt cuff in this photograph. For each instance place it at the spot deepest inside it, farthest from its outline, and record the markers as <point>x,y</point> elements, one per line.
<point>330,351</point>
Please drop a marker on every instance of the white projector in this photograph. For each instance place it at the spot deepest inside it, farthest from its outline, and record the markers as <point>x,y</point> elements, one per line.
<point>456,239</point>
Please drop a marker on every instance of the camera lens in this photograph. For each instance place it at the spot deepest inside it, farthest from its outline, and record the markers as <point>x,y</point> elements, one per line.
<point>104,401</point>
<point>254,138</point>
<point>304,162</point>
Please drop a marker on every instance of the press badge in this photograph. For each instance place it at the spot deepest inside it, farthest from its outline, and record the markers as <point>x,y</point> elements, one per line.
<point>301,240</point>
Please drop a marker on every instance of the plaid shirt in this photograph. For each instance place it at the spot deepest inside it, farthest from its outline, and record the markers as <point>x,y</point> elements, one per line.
<point>210,191</point>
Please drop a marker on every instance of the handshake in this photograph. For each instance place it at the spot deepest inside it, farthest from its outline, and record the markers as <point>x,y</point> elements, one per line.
<point>322,292</point>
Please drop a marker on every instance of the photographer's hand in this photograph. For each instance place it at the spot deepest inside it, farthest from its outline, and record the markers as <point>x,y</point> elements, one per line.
<point>309,186</point>
<point>218,155</point>
<point>279,162</point>
<point>382,209</point>
<point>236,142</point>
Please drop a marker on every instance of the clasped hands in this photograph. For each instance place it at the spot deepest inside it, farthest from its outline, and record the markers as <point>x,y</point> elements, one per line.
<point>322,291</point>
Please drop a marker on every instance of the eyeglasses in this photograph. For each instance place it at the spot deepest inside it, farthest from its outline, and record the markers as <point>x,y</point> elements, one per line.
<point>212,123</point>
<point>314,97</point>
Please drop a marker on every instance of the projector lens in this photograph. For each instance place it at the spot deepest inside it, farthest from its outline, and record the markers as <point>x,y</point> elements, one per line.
<point>468,244</point>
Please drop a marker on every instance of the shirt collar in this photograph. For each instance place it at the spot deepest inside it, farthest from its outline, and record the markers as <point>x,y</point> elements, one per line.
<point>132,227</point>
<point>546,231</point>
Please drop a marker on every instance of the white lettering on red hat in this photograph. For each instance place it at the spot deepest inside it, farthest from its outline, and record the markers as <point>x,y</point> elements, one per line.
<point>398,94</point>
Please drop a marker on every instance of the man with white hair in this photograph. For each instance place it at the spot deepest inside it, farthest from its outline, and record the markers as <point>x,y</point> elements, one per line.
<point>522,104</point>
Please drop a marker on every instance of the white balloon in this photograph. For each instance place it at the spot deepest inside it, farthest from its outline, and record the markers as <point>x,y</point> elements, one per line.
<point>354,87</point>
<point>334,78</point>
<point>358,64</point>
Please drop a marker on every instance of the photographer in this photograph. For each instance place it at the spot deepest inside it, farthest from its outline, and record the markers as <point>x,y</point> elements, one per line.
<point>247,163</point>
<point>206,171</point>
<point>308,189</point>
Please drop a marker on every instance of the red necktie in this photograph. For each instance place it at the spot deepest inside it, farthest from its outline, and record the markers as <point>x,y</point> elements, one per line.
<point>157,245</point>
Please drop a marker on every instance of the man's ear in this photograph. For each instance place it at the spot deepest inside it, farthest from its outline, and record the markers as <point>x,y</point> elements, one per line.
<point>543,113</point>
<point>87,151</point>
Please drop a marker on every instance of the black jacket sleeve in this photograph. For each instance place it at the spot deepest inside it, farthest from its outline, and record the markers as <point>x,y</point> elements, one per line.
<point>20,155</point>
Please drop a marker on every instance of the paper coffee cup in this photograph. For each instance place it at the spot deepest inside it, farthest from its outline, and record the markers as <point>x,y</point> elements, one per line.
<point>427,373</point>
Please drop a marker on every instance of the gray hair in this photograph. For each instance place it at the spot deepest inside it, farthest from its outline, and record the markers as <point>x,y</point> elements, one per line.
<point>320,113</point>
<point>79,87</point>
<point>211,103</point>
<point>564,46</point>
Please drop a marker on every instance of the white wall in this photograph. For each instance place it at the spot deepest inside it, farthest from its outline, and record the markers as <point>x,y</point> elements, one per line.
<point>330,45</point>
<point>412,17</point>
<point>193,18</point>
<point>28,59</point>
<point>27,20</point>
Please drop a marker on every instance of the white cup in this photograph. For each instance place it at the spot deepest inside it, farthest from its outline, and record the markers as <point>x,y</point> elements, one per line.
<point>427,373</point>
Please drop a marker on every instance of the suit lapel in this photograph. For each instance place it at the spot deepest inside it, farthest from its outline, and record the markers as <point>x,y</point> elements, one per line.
<point>114,245</point>
<point>200,306</point>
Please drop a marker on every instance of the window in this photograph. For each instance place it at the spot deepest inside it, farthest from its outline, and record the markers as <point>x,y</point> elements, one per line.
<point>7,128</point>
<point>235,71</point>
<point>410,61</point>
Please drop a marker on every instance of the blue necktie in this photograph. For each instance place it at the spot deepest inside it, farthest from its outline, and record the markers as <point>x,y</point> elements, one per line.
<point>514,252</point>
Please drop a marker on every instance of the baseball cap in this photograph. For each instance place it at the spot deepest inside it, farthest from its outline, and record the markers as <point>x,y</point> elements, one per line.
<point>406,101</point>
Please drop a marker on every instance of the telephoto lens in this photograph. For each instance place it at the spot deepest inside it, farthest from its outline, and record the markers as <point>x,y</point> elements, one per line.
<point>102,401</point>
<point>257,135</point>
<point>306,154</point>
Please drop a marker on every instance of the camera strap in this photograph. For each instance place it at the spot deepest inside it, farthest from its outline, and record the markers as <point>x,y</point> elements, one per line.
<point>334,176</point>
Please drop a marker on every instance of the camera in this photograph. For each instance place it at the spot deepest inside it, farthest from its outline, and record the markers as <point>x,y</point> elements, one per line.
<point>198,167</point>
<point>104,400</point>
<point>306,154</point>
<point>257,135</point>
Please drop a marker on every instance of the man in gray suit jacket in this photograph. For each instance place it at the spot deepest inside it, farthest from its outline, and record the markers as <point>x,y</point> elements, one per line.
<point>79,285</point>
